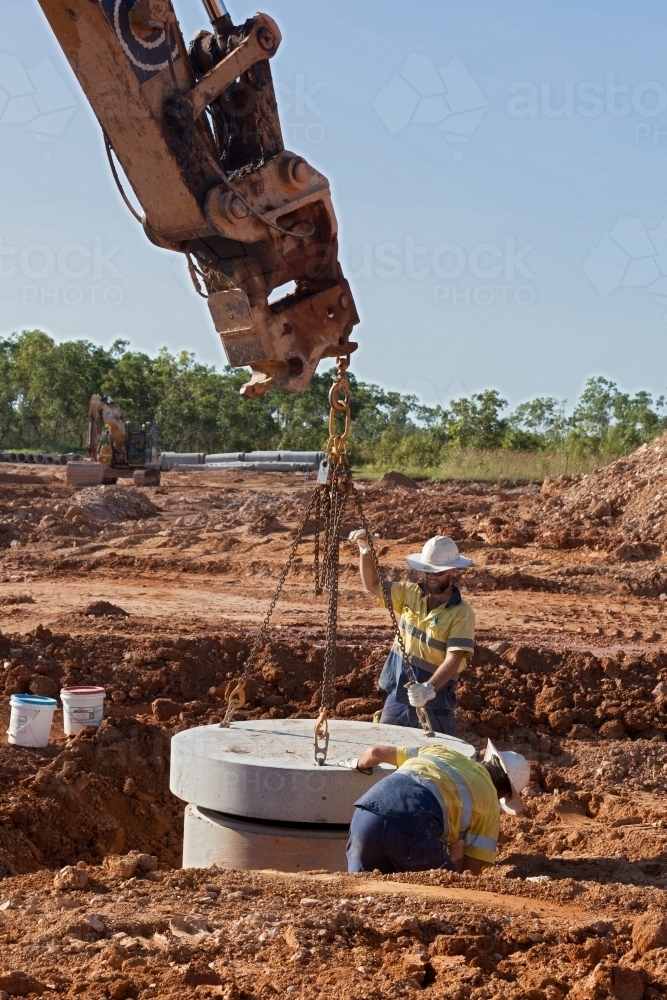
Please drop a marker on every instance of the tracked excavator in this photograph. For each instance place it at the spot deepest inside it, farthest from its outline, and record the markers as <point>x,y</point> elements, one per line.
<point>114,450</point>
<point>197,133</point>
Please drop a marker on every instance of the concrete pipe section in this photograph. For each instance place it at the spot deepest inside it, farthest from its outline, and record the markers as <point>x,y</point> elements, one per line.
<point>257,799</point>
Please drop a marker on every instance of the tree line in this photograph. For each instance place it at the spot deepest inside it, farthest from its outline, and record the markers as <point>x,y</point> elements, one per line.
<point>45,389</point>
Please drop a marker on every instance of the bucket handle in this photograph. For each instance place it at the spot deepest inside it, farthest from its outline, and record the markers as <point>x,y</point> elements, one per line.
<point>23,728</point>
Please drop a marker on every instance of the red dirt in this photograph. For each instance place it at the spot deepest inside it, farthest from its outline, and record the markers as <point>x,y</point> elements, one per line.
<point>570,669</point>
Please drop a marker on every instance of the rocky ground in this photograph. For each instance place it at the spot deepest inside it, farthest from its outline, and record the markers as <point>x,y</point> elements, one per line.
<point>156,594</point>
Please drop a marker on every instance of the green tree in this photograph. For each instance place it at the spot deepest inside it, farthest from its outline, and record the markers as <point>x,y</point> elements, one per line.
<point>538,424</point>
<point>606,419</point>
<point>476,422</point>
<point>593,414</point>
<point>45,388</point>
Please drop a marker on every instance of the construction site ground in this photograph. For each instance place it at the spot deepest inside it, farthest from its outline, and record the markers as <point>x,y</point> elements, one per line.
<point>156,595</point>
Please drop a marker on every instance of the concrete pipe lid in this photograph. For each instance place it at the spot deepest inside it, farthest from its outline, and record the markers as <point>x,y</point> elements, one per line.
<point>266,769</point>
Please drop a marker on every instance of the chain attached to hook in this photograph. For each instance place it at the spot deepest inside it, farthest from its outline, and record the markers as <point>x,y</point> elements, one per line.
<point>327,506</point>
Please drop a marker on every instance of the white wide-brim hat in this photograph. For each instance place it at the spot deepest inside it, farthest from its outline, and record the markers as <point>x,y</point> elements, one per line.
<point>517,769</point>
<point>439,554</point>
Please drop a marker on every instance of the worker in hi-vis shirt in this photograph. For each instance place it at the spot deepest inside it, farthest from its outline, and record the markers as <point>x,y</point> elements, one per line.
<point>439,809</point>
<point>438,630</point>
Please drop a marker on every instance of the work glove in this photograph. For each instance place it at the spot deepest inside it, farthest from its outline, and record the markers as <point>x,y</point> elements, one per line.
<point>352,764</point>
<point>360,536</point>
<point>419,694</point>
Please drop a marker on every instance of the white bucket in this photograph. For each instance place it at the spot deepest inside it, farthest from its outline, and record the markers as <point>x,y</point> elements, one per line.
<point>82,706</point>
<point>30,719</point>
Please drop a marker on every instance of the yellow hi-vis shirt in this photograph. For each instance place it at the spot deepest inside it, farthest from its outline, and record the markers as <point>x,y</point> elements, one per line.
<point>428,635</point>
<point>465,792</point>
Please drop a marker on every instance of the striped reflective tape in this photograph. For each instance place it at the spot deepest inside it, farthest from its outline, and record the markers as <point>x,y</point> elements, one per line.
<point>483,843</point>
<point>461,787</point>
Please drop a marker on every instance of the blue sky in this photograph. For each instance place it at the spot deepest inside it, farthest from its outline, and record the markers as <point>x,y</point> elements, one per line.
<point>499,174</point>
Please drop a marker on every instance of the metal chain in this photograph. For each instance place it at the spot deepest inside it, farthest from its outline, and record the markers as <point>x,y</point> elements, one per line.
<point>237,697</point>
<point>422,714</point>
<point>316,556</point>
<point>338,497</point>
<point>328,501</point>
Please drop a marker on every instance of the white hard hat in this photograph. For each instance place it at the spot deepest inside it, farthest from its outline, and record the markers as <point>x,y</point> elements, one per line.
<point>440,553</point>
<point>517,769</point>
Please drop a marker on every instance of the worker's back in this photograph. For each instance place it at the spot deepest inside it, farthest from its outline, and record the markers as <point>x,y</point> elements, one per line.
<point>440,792</point>
<point>465,791</point>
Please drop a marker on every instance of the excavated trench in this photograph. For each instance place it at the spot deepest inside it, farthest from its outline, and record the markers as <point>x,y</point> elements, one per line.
<point>158,599</point>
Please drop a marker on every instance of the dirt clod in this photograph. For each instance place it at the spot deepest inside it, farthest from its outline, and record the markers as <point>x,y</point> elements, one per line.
<point>20,984</point>
<point>70,878</point>
<point>650,931</point>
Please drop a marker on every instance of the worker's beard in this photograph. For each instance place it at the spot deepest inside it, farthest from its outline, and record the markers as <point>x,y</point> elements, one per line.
<point>435,584</point>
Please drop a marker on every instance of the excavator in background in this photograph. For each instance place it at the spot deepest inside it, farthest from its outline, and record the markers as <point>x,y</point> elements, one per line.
<point>197,133</point>
<point>115,450</point>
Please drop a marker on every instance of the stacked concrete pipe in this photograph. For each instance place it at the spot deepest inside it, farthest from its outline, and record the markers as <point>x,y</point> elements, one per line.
<point>257,799</point>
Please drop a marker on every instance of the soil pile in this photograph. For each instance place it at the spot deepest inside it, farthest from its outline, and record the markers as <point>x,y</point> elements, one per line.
<point>115,503</point>
<point>565,693</point>
<point>523,688</point>
<point>195,674</point>
<point>102,792</point>
<point>100,608</point>
<point>622,508</point>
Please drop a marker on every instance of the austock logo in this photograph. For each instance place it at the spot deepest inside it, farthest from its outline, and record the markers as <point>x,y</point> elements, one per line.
<point>36,99</point>
<point>71,275</point>
<point>421,94</point>
<point>630,256</point>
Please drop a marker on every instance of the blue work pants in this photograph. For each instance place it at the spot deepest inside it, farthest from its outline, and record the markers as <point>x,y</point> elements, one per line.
<point>376,842</point>
<point>395,713</point>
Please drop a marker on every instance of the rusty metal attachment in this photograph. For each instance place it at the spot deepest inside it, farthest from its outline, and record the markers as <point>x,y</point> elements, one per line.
<point>197,133</point>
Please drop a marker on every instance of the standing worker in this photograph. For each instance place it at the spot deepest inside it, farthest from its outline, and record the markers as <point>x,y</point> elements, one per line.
<point>438,630</point>
<point>436,797</point>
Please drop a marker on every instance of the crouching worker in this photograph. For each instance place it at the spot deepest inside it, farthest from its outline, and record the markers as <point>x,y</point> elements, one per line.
<point>436,798</point>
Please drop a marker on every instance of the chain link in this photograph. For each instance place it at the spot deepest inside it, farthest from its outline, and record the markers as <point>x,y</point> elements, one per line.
<point>328,503</point>
<point>237,697</point>
<point>338,493</point>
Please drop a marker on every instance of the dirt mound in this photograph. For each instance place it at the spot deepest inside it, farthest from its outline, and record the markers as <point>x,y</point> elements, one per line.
<point>395,479</point>
<point>115,503</point>
<point>567,693</point>
<point>99,608</point>
<point>622,508</point>
<point>106,791</point>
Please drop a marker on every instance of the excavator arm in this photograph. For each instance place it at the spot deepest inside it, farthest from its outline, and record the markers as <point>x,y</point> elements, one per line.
<point>101,414</point>
<point>198,135</point>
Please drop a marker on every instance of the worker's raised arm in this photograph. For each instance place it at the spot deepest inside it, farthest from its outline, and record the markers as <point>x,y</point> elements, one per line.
<point>367,571</point>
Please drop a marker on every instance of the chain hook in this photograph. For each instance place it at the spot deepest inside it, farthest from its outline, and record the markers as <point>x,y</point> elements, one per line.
<point>339,402</point>
<point>236,701</point>
<point>321,734</point>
